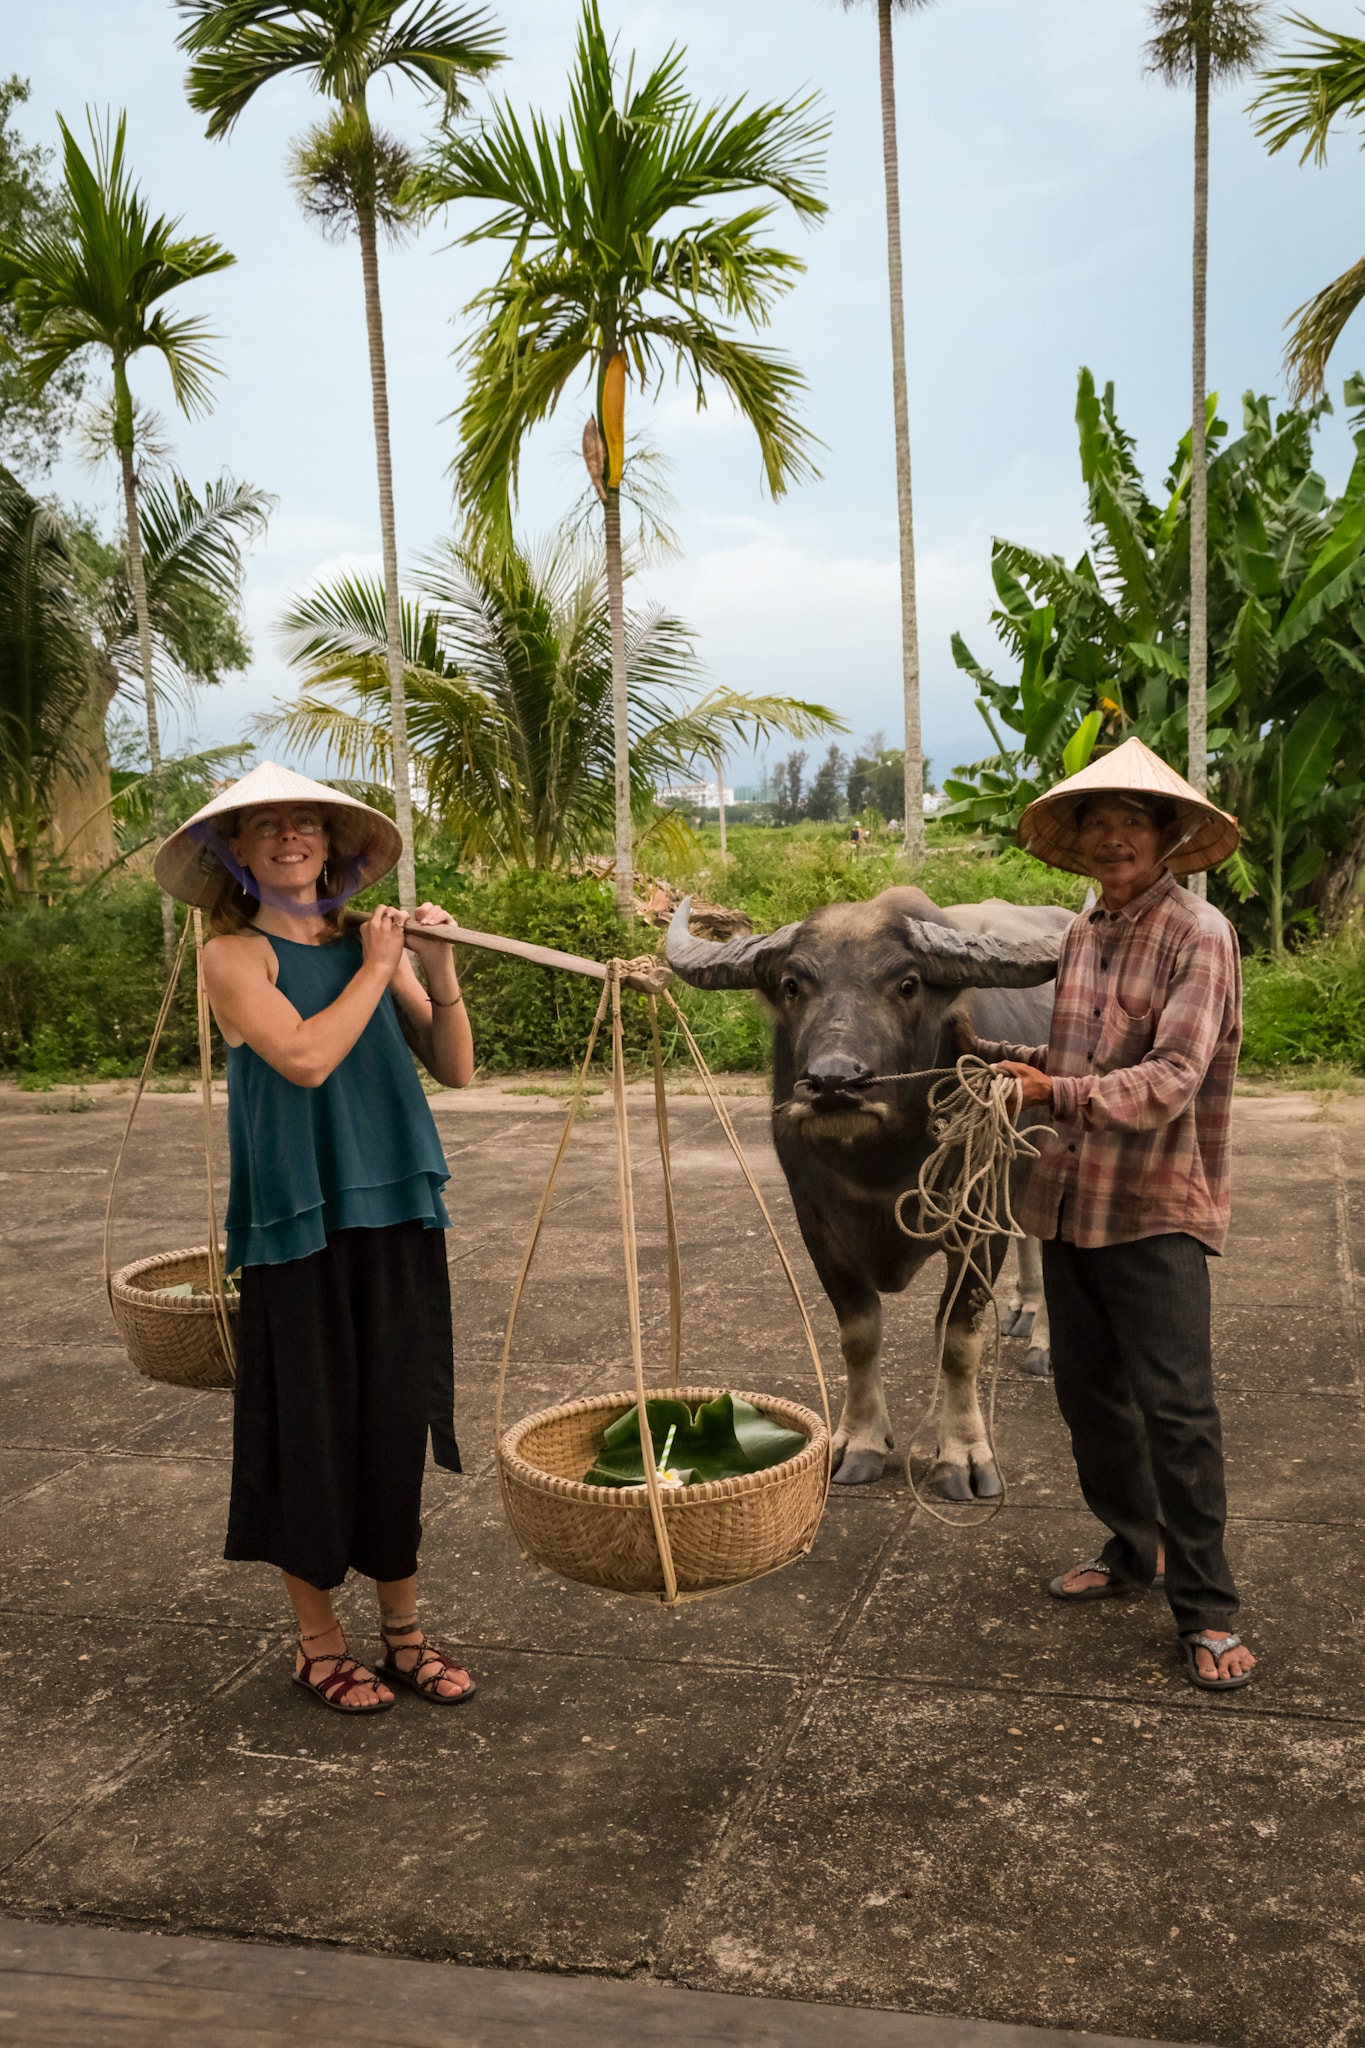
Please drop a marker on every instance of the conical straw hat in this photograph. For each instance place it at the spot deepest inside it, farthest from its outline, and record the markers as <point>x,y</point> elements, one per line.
<point>1048,827</point>
<point>190,864</point>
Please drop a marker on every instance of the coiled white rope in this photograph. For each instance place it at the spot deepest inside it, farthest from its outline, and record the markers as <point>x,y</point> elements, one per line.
<point>963,1199</point>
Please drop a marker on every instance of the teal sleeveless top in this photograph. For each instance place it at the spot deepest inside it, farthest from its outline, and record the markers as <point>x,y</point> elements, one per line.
<point>359,1152</point>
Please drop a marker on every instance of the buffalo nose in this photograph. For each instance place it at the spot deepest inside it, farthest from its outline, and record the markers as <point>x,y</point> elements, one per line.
<point>835,1074</point>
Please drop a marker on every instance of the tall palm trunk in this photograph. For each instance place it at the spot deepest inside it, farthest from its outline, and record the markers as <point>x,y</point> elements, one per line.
<point>620,702</point>
<point>1199,474</point>
<point>393,614</point>
<point>914,755</point>
<point>138,579</point>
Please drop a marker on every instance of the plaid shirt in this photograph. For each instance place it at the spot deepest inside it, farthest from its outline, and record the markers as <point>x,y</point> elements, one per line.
<point>1142,1059</point>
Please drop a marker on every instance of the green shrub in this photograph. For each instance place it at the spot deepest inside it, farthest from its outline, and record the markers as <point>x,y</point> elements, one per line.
<point>1309,1007</point>
<point>781,875</point>
<point>80,986</point>
<point>80,981</point>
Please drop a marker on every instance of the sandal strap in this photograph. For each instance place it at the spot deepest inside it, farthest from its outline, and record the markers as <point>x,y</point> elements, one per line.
<point>1215,1647</point>
<point>337,1683</point>
<point>427,1654</point>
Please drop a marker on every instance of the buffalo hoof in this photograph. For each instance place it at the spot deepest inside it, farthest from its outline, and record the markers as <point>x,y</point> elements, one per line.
<point>1009,1321</point>
<point>986,1482</point>
<point>1022,1326</point>
<point>859,1468</point>
<point>951,1482</point>
<point>1038,1365</point>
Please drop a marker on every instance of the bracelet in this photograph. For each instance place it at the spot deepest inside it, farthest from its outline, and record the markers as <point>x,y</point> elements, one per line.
<point>437,1004</point>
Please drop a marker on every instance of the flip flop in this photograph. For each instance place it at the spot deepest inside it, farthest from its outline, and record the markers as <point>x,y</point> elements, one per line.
<point>1190,1644</point>
<point>1114,1588</point>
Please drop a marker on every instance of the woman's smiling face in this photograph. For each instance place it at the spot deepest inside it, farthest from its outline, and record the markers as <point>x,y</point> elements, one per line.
<point>284,845</point>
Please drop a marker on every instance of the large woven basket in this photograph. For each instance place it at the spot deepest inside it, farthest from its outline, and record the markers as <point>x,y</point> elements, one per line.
<point>720,1533</point>
<point>177,1340</point>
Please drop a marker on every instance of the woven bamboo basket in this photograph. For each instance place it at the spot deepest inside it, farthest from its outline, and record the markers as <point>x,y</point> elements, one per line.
<point>654,1541</point>
<point>180,1340</point>
<point>720,1534</point>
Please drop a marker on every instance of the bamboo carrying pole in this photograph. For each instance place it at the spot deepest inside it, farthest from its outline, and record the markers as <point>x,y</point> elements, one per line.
<point>647,976</point>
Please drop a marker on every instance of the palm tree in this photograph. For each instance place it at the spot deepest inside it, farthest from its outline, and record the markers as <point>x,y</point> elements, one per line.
<point>1301,99</point>
<point>96,281</point>
<point>350,176</point>
<point>618,266</point>
<point>192,549</point>
<point>510,698</point>
<point>914,744</point>
<point>1204,43</point>
<point>46,661</point>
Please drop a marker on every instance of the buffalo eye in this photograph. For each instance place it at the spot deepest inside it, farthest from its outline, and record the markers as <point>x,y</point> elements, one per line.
<point>910,985</point>
<point>791,987</point>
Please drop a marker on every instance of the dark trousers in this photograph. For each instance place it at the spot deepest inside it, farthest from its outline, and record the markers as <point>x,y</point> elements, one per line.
<point>1130,1356</point>
<point>344,1363</point>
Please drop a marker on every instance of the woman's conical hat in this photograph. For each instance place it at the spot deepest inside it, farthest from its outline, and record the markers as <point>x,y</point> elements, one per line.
<point>190,864</point>
<point>1048,828</point>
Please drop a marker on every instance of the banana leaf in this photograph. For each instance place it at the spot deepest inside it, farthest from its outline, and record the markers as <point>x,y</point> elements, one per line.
<point>721,1440</point>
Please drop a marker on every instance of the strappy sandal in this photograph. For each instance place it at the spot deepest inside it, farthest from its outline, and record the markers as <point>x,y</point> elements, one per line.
<point>1113,1588</point>
<point>426,1674</point>
<point>332,1691</point>
<point>1190,1645</point>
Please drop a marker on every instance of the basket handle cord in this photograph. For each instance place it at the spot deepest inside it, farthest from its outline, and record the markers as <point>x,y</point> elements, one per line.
<point>217,1290</point>
<point>167,997</point>
<point>217,1287</point>
<point>611,993</point>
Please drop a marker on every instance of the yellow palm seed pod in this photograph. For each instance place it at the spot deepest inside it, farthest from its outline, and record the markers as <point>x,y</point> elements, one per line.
<point>614,418</point>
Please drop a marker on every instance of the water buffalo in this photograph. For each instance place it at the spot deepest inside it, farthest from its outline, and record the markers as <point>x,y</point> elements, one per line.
<point>859,990</point>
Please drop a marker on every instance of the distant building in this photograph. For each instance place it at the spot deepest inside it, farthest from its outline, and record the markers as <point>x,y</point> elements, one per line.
<point>747,793</point>
<point>704,796</point>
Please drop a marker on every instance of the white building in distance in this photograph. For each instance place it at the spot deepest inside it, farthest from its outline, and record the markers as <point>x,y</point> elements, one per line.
<point>704,796</point>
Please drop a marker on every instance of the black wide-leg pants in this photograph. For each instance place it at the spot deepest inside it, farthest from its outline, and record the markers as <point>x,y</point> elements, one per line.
<point>1134,1377</point>
<point>344,1363</point>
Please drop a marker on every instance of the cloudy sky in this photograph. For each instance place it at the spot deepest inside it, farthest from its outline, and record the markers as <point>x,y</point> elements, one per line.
<point>1046,193</point>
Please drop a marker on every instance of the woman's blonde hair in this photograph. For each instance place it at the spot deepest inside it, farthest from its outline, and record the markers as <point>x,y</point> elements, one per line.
<point>234,909</point>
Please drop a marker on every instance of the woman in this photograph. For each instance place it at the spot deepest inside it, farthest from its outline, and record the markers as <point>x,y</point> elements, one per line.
<point>335,1214</point>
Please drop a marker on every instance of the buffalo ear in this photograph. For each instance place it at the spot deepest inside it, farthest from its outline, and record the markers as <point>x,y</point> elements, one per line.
<point>751,962</point>
<point>954,959</point>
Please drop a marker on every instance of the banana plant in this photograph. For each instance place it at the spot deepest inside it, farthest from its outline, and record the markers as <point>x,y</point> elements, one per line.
<point>1101,650</point>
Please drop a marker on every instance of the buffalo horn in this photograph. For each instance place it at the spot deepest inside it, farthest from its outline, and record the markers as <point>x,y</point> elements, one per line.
<point>954,959</point>
<point>708,964</point>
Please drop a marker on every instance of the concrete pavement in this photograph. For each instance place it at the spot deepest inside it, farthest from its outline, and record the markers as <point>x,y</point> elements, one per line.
<point>894,1777</point>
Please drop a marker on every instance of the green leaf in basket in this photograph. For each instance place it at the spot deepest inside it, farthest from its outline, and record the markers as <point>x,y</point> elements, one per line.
<point>723,1439</point>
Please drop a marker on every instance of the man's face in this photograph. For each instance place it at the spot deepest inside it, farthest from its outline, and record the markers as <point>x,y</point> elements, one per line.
<point>1121,843</point>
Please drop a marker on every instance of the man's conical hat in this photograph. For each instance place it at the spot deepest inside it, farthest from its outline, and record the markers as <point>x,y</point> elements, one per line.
<point>191,863</point>
<point>1048,828</point>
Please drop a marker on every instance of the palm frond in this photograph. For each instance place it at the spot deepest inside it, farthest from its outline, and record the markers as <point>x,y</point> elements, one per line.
<point>1317,328</point>
<point>1233,34</point>
<point>1305,94</point>
<point>238,46</point>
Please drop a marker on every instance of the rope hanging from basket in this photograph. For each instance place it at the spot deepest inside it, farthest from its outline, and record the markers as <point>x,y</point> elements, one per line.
<point>633,972</point>
<point>217,1284</point>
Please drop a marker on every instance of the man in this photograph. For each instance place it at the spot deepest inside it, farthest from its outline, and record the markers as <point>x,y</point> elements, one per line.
<point>1133,1192</point>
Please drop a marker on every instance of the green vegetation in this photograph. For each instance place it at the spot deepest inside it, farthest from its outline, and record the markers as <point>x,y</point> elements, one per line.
<point>80,980</point>
<point>1104,649</point>
<point>97,279</point>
